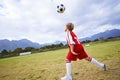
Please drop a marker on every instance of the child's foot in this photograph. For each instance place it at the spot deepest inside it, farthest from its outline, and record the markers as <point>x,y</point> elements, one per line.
<point>66,78</point>
<point>104,67</point>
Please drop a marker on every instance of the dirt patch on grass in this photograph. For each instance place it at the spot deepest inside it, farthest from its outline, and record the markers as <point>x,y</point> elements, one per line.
<point>116,70</point>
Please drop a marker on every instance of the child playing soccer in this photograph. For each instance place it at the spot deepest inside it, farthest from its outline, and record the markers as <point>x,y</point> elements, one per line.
<point>76,51</point>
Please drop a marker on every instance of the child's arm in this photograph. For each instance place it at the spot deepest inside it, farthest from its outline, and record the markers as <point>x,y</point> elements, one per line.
<point>72,49</point>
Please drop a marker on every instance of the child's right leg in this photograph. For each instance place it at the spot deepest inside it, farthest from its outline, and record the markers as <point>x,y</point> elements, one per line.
<point>101,65</point>
<point>68,71</point>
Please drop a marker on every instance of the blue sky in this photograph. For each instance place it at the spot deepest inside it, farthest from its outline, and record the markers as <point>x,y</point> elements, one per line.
<point>38,20</point>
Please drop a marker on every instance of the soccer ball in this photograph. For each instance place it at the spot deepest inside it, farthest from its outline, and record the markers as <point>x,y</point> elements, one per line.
<point>60,8</point>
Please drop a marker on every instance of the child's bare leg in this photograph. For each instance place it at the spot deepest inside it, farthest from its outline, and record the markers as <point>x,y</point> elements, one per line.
<point>101,65</point>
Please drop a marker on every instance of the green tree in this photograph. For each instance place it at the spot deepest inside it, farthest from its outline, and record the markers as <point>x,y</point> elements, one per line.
<point>96,40</point>
<point>4,53</point>
<point>17,51</point>
<point>28,49</point>
<point>87,41</point>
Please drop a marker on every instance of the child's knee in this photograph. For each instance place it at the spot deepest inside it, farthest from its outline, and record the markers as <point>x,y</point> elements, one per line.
<point>88,59</point>
<point>68,61</point>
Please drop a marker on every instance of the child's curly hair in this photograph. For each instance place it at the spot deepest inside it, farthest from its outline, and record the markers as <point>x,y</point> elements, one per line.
<point>70,26</point>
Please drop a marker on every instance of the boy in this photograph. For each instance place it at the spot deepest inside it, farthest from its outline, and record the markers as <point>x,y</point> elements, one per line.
<point>76,51</point>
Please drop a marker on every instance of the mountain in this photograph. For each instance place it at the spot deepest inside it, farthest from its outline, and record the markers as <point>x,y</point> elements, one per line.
<point>105,35</point>
<point>58,42</point>
<point>11,45</point>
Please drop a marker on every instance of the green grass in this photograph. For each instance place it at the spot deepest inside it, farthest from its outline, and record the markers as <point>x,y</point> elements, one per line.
<point>51,65</point>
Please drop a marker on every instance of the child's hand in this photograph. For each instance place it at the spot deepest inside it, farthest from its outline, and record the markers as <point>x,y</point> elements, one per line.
<point>72,49</point>
<point>74,53</point>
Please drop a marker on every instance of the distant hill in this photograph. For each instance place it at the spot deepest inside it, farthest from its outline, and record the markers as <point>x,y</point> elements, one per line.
<point>11,45</point>
<point>105,35</point>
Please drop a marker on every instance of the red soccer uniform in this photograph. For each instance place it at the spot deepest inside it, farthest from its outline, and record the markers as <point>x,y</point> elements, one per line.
<point>78,48</point>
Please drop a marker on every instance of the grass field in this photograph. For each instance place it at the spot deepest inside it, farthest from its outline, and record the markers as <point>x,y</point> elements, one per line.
<point>51,65</point>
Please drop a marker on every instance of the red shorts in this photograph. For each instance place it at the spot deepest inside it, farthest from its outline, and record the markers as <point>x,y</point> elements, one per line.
<point>78,49</point>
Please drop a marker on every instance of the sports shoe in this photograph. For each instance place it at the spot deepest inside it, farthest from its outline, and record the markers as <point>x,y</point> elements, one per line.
<point>66,78</point>
<point>104,67</point>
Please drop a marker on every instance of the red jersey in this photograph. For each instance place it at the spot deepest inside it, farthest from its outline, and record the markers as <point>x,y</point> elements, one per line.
<point>78,48</point>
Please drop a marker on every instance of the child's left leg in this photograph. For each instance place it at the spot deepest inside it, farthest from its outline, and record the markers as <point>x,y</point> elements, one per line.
<point>101,65</point>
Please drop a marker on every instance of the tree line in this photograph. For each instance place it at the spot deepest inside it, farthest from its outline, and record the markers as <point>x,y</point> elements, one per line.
<point>4,53</point>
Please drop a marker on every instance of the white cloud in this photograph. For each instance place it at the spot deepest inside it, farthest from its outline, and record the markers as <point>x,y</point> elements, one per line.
<point>38,20</point>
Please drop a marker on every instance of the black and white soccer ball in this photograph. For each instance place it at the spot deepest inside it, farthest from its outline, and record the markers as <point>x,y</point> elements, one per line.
<point>60,8</point>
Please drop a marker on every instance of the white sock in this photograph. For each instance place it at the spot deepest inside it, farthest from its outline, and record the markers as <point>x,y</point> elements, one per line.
<point>68,69</point>
<point>97,63</point>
